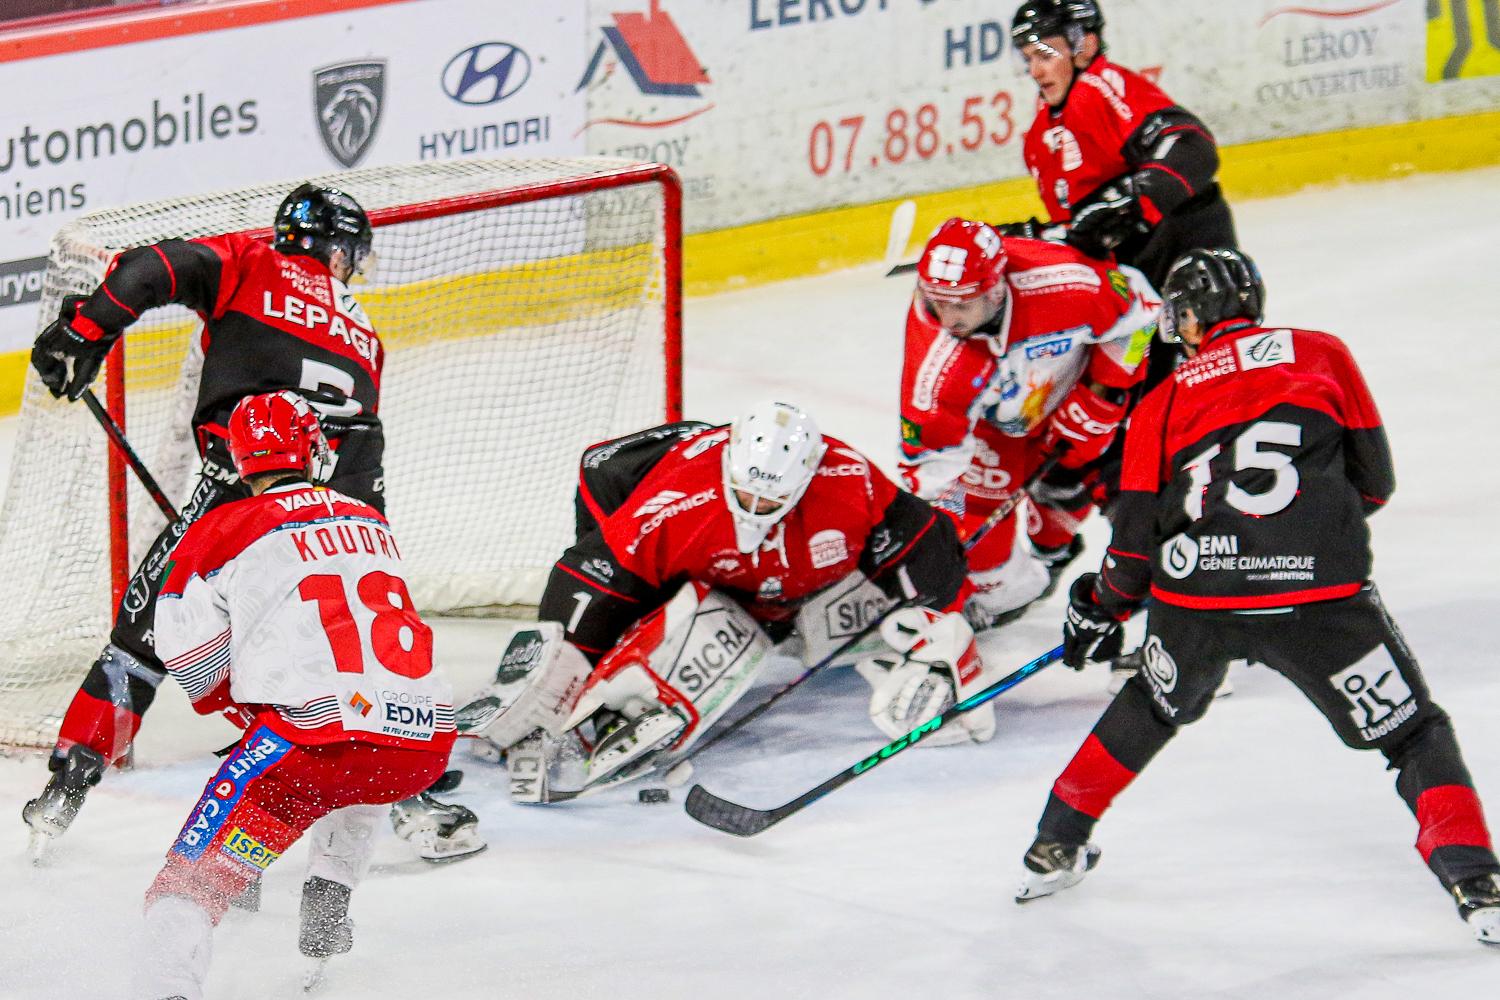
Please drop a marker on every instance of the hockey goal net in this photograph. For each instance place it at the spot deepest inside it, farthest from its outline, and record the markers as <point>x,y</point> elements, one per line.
<point>528,308</point>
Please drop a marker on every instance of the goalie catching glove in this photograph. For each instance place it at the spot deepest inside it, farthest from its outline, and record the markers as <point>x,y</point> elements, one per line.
<point>68,354</point>
<point>933,662</point>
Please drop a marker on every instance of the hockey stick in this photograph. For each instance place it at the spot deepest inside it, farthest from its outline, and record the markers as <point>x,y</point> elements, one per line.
<point>999,514</point>
<point>742,821</point>
<point>117,437</point>
<point>902,221</point>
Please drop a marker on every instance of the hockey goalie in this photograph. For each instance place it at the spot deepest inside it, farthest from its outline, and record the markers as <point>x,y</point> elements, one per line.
<point>700,548</point>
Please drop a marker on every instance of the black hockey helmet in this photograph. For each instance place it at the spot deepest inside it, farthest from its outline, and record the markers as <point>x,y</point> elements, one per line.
<point>315,221</point>
<point>1217,285</point>
<point>1072,19</point>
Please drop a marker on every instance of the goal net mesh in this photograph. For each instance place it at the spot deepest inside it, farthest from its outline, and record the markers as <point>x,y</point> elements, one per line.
<point>526,309</point>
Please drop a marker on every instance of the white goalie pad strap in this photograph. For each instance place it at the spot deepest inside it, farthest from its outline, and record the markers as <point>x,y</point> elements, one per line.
<point>836,614</point>
<point>538,681</point>
<point>696,655</point>
<point>932,659</point>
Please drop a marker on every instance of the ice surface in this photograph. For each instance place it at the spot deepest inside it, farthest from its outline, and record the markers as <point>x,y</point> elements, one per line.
<point>1256,859</point>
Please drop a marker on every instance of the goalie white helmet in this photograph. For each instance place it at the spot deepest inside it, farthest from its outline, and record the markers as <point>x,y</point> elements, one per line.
<point>773,452</point>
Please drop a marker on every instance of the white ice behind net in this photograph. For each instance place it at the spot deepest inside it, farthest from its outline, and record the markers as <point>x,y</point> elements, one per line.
<point>515,336</point>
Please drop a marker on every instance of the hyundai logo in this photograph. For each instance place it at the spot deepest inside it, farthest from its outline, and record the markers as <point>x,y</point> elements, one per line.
<point>486,73</point>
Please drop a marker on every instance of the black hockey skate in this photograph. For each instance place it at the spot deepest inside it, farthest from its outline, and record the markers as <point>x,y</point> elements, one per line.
<point>1478,900</point>
<point>1052,867</point>
<point>440,831</point>
<point>51,813</point>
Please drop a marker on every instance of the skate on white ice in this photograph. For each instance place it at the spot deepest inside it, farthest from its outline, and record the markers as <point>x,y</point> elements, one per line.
<point>51,813</point>
<point>1052,867</point>
<point>624,741</point>
<point>1478,901</point>
<point>325,929</point>
<point>440,831</point>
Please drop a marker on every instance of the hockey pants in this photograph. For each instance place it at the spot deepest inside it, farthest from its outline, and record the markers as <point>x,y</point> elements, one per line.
<point>105,713</point>
<point>1346,656</point>
<point>264,796</point>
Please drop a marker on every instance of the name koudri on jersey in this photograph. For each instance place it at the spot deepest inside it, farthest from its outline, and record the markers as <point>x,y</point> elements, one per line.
<point>326,637</point>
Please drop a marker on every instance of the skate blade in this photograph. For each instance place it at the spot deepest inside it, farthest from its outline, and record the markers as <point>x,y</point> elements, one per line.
<point>39,848</point>
<point>652,734</point>
<point>1485,924</point>
<point>1034,887</point>
<point>316,976</point>
<point>446,854</point>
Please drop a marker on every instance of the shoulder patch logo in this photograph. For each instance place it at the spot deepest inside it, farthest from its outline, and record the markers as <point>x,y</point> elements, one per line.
<point>1265,350</point>
<point>911,433</point>
<point>827,548</point>
<point>656,503</point>
<point>1120,284</point>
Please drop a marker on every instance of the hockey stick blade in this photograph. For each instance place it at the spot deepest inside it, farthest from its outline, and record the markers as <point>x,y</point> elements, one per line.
<point>742,821</point>
<point>905,267</point>
<point>729,817</point>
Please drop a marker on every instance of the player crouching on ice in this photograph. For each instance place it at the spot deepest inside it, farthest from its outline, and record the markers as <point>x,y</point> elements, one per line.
<point>698,547</point>
<point>1016,350</point>
<point>289,609</point>
<point>1265,443</point>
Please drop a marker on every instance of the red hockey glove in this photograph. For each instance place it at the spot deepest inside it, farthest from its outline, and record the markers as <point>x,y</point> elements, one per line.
<point>1087,422</point>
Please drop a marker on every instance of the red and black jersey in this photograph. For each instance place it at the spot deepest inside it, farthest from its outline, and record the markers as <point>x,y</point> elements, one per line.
<point>673,526</point>
<point>1248,476</point>
<point>1116,123</point>
<point>270,321</point>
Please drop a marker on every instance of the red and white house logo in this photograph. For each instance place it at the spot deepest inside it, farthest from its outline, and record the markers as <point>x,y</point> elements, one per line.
<point>660,62</point>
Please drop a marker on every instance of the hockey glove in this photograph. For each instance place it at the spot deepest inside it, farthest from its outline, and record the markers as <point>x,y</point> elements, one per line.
<point>1064,490</point>
<point>1110,217</point>
<point>1087,422</point>
<point>1088,625</point>
<point>65,358</point>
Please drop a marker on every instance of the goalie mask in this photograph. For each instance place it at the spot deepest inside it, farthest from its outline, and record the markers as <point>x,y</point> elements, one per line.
<point>961,276</point>
<point>276,432</point>
<point>773,452</point>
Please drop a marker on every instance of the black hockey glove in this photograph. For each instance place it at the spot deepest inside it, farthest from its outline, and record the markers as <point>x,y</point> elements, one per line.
<point>66,360</point>
<point>1063,490</point>
<point>1088,626</point>
<point>1111,216</point>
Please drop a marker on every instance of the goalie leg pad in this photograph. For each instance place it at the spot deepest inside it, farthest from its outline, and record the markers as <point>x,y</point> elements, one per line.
<point>694,657</point>
<point>538,682</point>
<point>932,661</point>
<point>838,613</point>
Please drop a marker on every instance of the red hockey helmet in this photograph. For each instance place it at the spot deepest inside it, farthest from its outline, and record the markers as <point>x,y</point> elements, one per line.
<point>963,261</point>
<point>277,431</point>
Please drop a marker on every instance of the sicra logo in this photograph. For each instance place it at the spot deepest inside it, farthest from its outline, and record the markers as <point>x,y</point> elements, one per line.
<point>657,57</point>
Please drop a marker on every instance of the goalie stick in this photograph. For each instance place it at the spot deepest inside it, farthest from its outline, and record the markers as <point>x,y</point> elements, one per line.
<point>743,821</point>
<point>1000,513</point>
<point>117,438</point>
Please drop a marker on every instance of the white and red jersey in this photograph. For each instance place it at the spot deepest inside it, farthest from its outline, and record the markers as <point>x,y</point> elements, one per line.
<point>675,526</point>
<point>1068,319</point>
<point>1074,149</point>
<point>291,604</point>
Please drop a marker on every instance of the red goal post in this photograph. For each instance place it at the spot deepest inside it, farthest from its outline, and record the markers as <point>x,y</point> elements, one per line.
<point>528,308</point>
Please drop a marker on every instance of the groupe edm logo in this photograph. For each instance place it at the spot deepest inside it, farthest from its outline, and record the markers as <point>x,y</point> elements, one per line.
<point>486,73</point>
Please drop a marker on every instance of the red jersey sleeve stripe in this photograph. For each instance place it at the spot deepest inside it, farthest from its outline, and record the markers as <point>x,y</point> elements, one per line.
<point>171,271</point>
<point>111,295</point>
<point>1170,172</point>
<point>1128,555</point>
<point>596,585</point>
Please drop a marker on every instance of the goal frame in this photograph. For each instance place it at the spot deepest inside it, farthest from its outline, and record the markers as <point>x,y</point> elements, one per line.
<point>657,174</point>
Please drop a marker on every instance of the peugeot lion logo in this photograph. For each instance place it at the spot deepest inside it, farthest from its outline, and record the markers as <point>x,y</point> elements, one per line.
<point>349,98</point>
<point>486,73</point>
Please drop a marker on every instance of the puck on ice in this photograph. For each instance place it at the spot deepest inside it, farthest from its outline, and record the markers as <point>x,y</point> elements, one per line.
<point>654,795</point>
